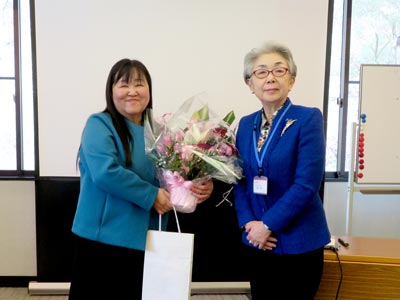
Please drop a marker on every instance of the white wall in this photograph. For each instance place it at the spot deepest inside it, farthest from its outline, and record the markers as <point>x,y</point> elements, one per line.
<point>17,228</point>
<point>373,215</point>
<point>188,46</point>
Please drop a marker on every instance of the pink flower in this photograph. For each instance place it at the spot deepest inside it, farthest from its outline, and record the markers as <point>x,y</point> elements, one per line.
<point>179,135</point>
<point>177,148</point>
<point>226,149</point>
<point>195,147</point>
<point>161,149</point>
<point>167,140</point>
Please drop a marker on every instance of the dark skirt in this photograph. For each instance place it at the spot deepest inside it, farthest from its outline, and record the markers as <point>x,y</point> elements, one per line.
<point>102,271</point>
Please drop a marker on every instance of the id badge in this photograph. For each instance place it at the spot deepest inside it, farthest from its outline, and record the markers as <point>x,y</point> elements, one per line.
<point>260,185</point>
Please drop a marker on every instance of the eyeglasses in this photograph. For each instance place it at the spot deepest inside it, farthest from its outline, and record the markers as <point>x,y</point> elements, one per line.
<point>263,73</point>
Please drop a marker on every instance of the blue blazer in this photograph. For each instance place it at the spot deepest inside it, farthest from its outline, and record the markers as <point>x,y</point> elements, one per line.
<point>115,203</point>
<point>294,164</point>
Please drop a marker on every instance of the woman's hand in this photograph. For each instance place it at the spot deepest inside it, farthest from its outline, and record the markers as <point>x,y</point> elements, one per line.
<point>202,190</point>
<point>162,203</point>
<point>259,236</point>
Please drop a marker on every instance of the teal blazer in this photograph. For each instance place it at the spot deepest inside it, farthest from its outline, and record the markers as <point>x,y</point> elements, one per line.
<point>115,202</point>
<point>294,164</point>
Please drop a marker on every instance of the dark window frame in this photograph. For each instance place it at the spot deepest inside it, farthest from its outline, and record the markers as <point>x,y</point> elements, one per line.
<point>20,172</point>
<point>340,174</point>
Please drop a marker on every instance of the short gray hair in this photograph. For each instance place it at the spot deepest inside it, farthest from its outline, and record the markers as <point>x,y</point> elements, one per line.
<point>266,48</point>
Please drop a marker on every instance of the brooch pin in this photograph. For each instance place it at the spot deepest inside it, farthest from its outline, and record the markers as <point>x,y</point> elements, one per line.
<point>289,122</point>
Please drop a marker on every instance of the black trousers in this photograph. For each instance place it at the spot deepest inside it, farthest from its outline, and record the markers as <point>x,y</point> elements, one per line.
<point>102,271</point>
<point>274,277</point>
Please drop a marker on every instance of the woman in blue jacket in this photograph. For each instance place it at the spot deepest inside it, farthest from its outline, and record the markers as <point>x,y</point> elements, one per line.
<point>282,147</point>
<point>120,198</point>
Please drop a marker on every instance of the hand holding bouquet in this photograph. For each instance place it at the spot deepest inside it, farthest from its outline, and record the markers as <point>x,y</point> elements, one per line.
<point>192,145</point>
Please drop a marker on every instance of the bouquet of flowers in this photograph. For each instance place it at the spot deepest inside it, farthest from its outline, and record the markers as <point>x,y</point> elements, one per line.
<point>192,145</point>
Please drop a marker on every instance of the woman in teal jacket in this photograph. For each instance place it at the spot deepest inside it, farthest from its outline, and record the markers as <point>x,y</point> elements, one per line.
<point>120,198</point>
<point>282,147</point>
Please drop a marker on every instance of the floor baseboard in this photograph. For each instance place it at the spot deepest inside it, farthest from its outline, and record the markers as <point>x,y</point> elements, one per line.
<point>48,288</point>
<point>62,288</point>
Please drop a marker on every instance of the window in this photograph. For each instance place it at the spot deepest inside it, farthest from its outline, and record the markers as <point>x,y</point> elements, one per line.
<point>17,151</point>
<point>363,32</point>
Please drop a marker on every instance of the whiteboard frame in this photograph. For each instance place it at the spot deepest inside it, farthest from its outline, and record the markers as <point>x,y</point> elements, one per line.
<point>363,188</point>
<point>379,103</point>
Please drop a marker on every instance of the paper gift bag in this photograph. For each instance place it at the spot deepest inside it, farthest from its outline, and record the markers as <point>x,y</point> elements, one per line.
<point>168,265</point>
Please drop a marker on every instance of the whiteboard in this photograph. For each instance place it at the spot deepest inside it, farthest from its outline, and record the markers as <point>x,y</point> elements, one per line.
<point>189,47</point>
<point>378,136</point>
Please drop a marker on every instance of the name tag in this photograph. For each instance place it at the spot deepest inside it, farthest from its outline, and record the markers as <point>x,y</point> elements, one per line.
<point>260,185</point>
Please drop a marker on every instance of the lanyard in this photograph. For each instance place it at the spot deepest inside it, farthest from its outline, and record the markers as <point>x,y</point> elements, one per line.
<point>265,147</point>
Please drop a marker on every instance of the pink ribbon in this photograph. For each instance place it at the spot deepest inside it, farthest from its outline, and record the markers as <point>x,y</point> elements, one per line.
<point>181,195</point>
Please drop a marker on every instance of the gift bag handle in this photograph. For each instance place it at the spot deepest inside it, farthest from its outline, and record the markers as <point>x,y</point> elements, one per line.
<point>176,218</point>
